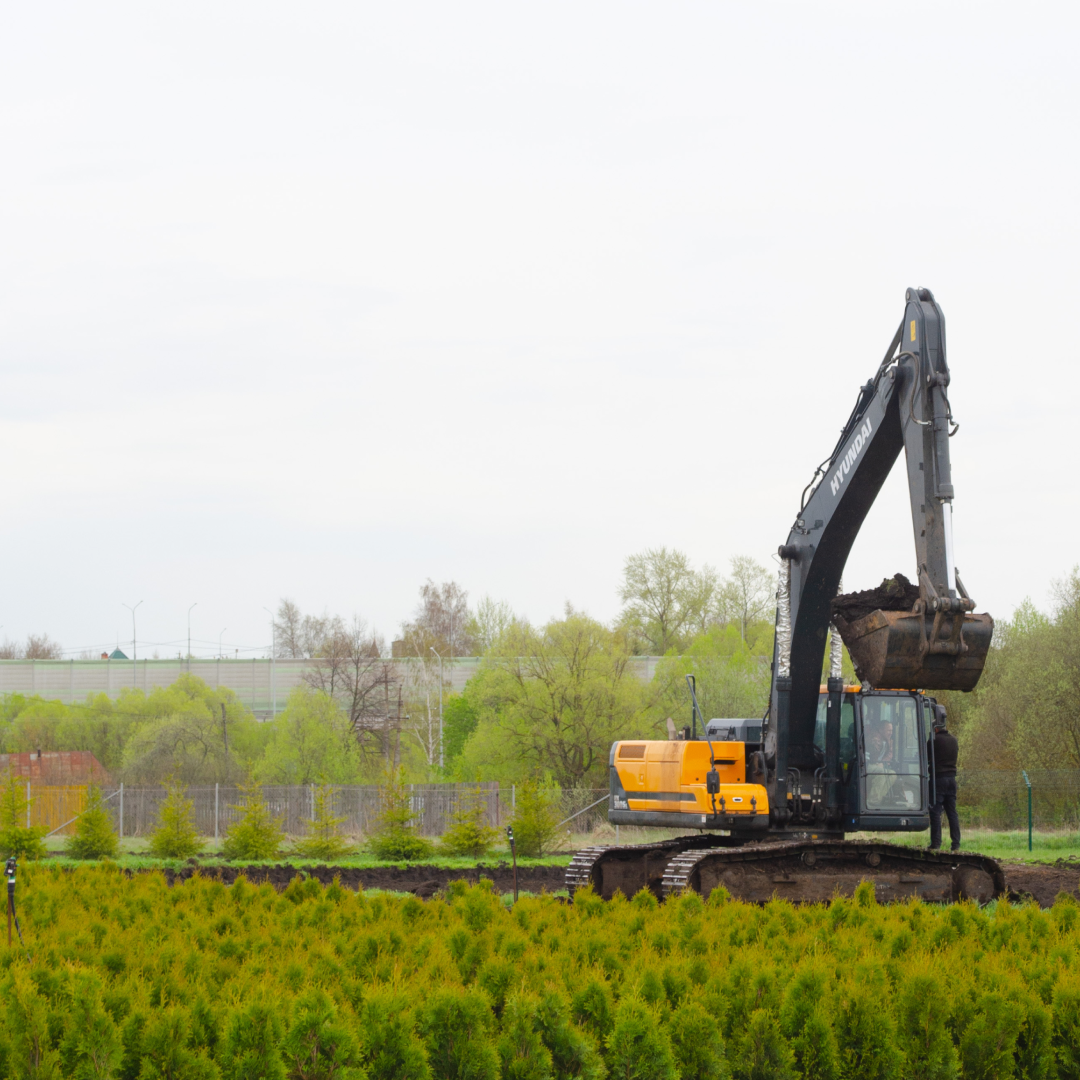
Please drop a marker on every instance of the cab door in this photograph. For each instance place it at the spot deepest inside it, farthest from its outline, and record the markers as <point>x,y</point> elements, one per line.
<point>892,756</point>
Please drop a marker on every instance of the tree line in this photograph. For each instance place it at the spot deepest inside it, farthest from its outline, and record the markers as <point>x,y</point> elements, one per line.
<point>547,701</point>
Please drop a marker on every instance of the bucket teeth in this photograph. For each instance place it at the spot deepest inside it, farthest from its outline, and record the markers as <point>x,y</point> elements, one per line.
<point>906,650</point>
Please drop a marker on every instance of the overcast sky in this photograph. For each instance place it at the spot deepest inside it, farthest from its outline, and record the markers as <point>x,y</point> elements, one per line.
<point>320,301</point>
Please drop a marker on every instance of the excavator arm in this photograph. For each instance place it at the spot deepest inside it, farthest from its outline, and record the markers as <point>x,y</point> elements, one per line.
<point>935,645</point>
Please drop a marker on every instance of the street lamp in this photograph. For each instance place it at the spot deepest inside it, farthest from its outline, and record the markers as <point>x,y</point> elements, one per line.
<point>223,629</point>
<point>134,642</point>
<point>273,662</point>
<point>196,604</point>
<point>436,652</point>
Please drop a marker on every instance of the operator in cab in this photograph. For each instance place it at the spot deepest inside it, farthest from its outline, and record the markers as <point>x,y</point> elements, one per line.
<point>943,752</point>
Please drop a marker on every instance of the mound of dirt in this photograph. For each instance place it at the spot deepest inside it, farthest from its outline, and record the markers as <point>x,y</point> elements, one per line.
<point>893,594</point>
<point>423,881</point>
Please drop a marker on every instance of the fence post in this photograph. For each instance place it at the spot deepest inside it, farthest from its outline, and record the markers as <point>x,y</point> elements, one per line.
<point>215,811</point>
<point>28,804</point>
<point>1023,772</point>
<point>312,789</point>
<point>513,797</point>
<point>121,809</point>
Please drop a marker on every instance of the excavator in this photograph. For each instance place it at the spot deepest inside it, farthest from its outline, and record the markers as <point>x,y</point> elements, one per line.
<point>772,800</point>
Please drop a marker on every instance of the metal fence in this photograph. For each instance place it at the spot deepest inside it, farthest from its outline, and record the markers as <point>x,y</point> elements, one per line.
<point>135,810</point>
<point>998,799</point>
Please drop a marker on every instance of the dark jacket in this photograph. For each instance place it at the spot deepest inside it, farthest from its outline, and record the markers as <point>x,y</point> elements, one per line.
<point>946,750</point>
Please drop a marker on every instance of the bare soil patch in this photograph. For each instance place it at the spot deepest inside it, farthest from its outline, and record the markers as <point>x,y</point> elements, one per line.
<point>422,881</point>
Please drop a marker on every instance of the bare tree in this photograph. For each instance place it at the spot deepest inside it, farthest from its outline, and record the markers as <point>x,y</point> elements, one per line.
<point>420,689</point>
<point>489,622</point>
<point>11,650</point>
<point>37,647</point>
<point>441,621</point>
<point>748,595</point>
<point>299,636</point>
<point>350,668</point>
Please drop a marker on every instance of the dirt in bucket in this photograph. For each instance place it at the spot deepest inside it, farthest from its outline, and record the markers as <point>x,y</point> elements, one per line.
<point>895,593</point>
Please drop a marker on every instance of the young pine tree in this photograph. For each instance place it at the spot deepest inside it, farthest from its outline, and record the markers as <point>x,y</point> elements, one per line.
<point>257,835</point>
<point>323,840</point>
<point>535,820</point>
<point>176,836</point>
<point>16,837</point>
<point>94,836</point>
<point>395,837</point>
<point>469,833</point>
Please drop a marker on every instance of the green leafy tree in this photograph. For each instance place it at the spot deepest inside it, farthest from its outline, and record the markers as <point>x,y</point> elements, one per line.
<point>176,836</point>
<point>258,834</point>
<point>469,833</point>
<point>460,719</point>
<point>396,836</point>
<point>552,700</point>
<point>310,742</point>
<point>324,839</point>
<point>16,837</point>
<point>94,836</point>
<point>536,820</point>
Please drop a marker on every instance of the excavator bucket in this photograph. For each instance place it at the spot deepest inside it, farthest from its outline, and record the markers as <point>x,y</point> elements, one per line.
<point>904,650</point>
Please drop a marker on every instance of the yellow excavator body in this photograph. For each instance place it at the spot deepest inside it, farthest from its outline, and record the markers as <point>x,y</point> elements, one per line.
<point>670,777</point>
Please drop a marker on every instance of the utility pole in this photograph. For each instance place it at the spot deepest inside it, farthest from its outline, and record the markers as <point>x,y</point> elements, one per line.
<point>196,604</point>
<point>134,644</point>
<point>223,629</point>
<point>436,652</point>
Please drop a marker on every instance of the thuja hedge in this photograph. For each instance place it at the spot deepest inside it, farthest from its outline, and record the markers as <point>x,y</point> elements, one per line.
<point>128,978</point>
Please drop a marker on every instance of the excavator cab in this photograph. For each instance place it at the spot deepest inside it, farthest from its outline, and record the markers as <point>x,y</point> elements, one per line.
<point>884,771</point>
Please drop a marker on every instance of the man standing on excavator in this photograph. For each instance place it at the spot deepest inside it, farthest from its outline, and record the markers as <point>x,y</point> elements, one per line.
<point>944,752</point>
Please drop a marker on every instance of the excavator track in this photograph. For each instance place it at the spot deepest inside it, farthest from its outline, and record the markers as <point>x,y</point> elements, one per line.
<point>630,868</point>
<point>802,871</point>
<point>813,871</point>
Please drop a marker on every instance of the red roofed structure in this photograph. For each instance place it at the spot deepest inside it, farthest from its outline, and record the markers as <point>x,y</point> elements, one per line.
<point>55,768</point>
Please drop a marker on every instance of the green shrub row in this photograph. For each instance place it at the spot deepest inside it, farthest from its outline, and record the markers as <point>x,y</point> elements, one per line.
<point>128,978</point>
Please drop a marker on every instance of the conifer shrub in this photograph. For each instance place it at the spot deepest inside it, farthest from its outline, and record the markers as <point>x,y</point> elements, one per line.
<point>536,820</point>
<point>392,1050</point>
<point>319,1045</point>
<point>469,833</point>
<point>257,835</point>
<point>522,1052</point>
<point>323,839</point>
<point>16,837</point>
<point>251,1045</point>
<point>396,837</point>
<point>456,1025</point>
<point>697,1044</point>
<point>176,836</point>
<point>94,836</point>
<point>637,1045</point>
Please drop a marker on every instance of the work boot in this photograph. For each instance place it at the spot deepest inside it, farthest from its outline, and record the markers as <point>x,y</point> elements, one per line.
<point>955,848</point>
